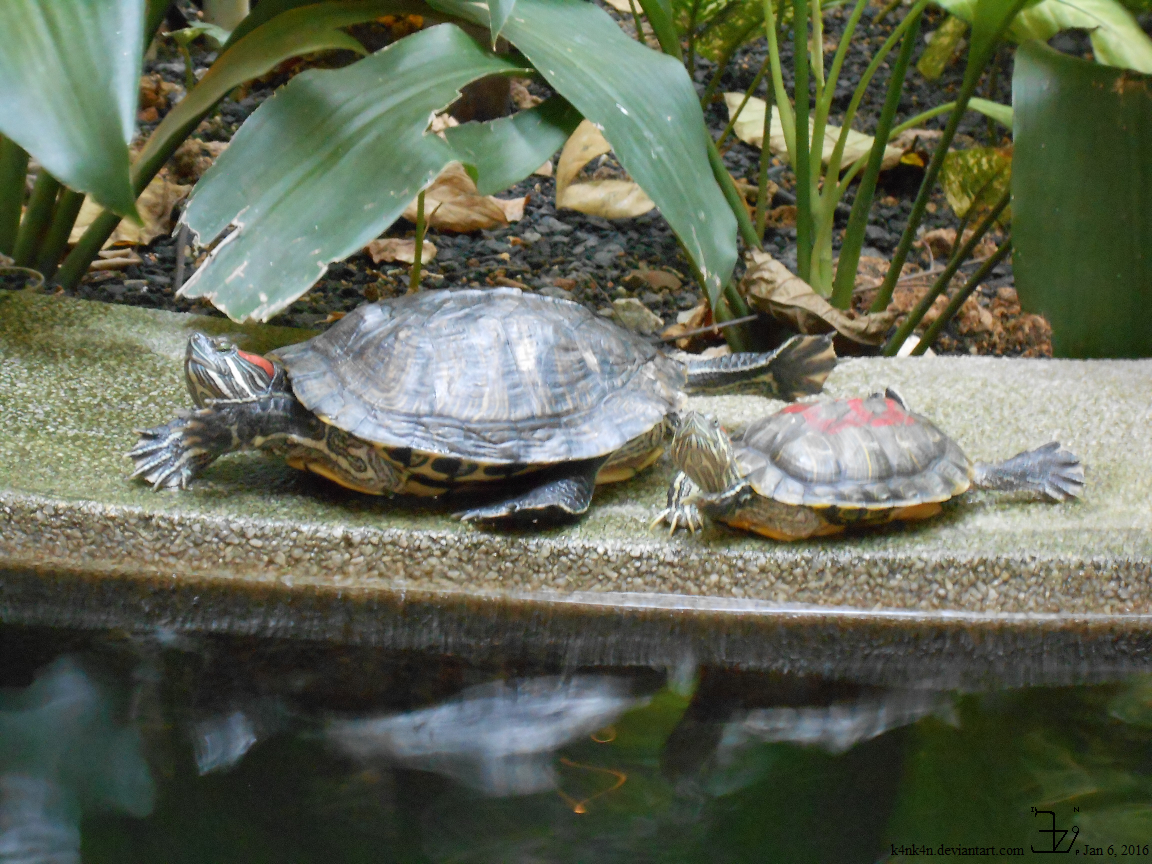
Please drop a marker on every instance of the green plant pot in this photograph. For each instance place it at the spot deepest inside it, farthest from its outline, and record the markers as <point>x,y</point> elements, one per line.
<point>1082,201</point>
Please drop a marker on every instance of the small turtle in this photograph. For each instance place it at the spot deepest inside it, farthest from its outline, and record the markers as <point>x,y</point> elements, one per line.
<point>533,398</point>
<point>816,469</point>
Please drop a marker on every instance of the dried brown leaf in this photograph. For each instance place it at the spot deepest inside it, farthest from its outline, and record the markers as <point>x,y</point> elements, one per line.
<point>452,203</point>
<point>155,206</point>
<point>610,199</point>
<point>749,128</point>
<point>772,288</point>
<point>396,249</point>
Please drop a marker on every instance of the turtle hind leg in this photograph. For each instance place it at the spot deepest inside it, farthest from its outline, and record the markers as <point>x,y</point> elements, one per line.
<point>797,368</point>
<point>563,495</point>
<point>1050,469</point>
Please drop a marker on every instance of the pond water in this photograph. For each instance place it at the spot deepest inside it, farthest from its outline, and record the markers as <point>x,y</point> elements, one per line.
<point>173,748</point>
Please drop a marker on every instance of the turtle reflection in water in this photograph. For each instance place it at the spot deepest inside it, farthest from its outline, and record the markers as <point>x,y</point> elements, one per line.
<point>534,398</point>
<point>816,469</point>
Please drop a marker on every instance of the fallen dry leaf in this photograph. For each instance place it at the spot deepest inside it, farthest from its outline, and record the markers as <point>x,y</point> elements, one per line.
<point>751,191</point>
<point>772,288</point>
<point>521,97</point>
<point>610,199</point>
<point>655,280</point>
<point>452,203</point>
<point>783,216</point>
<point>636,316</point>
<point>193,158</point>
<point>397,249</point>
<point>544,170</point>
<point>114,259</point>
<point>154,205</point>
<point>157,93</point>
<point>699,316</point>
<point>749,128</point>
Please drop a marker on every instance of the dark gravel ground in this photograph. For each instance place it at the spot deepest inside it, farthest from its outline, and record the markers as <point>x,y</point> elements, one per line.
<point>589,259</point>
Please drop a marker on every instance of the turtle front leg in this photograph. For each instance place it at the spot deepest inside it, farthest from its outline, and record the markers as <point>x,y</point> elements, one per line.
<point>170,456</point>
<point>681,511</point>
<point>1050,470</point>
<point>564,495</point>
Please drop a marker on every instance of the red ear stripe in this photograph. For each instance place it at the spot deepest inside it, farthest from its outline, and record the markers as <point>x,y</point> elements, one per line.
<point>264,364</point>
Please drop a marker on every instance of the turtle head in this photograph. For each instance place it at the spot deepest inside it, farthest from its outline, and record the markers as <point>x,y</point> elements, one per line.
<point>216,370</point>
<point>702,450</point>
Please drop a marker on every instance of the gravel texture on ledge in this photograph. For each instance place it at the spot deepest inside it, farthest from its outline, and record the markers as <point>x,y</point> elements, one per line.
<point>257,547</point>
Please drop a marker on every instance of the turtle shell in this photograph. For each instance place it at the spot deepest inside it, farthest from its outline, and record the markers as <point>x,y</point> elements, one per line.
<point>864,453</point>
<point>497,376</point>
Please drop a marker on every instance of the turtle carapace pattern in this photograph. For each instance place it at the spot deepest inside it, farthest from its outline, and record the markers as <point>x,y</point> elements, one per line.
<point>530,398</point>
<point>815,469</point>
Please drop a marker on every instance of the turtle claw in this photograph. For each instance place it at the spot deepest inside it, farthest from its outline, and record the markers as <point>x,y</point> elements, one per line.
<point>169,456</point>
<point>681,516</point>
<point>681,510</point>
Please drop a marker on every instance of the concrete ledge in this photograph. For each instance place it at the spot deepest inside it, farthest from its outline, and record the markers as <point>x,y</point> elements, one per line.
<point>998,590</point>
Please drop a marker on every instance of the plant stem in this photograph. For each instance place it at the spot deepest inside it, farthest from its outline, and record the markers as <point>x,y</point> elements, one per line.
<point>858,221</point>
<point>774,29</point>
<point>733,197</point>
<point>933,331</point>
<point>762,178</point>
<point>740,108</point>
<point>821,276</point>
<point>153,18</point>
<point>801,164</point>
<point>692,38</point>
<point>13,166</point>
<point>722,67</point>
<point>56,240</point>
<point>35,222</point>
<point>636,19</point>
<point>418,254</point>
<point>941,284</point>
<point>972,73</point>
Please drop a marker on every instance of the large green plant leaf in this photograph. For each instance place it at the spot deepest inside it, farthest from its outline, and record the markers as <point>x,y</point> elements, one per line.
<point>503,152</point>
<point>294,32</point>
<point>1117,39</point>
<point>647,108</point>
<point>1082,201</point>
<point>326,165</point>
<point>70,75</point>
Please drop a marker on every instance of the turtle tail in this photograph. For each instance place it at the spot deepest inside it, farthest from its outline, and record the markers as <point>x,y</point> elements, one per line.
<point>797,368</point>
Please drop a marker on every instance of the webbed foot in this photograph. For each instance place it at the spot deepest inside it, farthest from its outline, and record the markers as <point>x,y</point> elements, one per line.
<point>1050,470</point>
<point>169,456</point>
<point>563,497</point>
<point>681,512</point>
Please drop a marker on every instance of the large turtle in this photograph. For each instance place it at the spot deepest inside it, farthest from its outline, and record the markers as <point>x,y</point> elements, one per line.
<point>816,469</point>
<point>532,397</point>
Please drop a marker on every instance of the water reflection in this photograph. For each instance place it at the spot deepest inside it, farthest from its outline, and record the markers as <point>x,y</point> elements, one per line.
<point>62,753</point>
<point>266,751</point>
<point>498,738</point>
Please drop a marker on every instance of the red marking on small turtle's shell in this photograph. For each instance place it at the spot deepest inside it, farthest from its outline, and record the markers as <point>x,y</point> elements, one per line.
<point>857,416</point>
<point>262,362</point>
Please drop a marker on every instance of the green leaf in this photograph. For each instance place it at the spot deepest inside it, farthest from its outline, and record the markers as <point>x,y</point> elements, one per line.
<point>217,35</point>
<point>507,150</point>
<point>299,31</point>
<point>647,108</point>
<point>1117,39</point>
<point>325,166</point>
<point>499,10</point>
<point>945,42</point>
<point>70,75</point>
<point>976,178</point>
<point>1082,227</point>
<point>659,14</point>
<point>1002,114</point>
